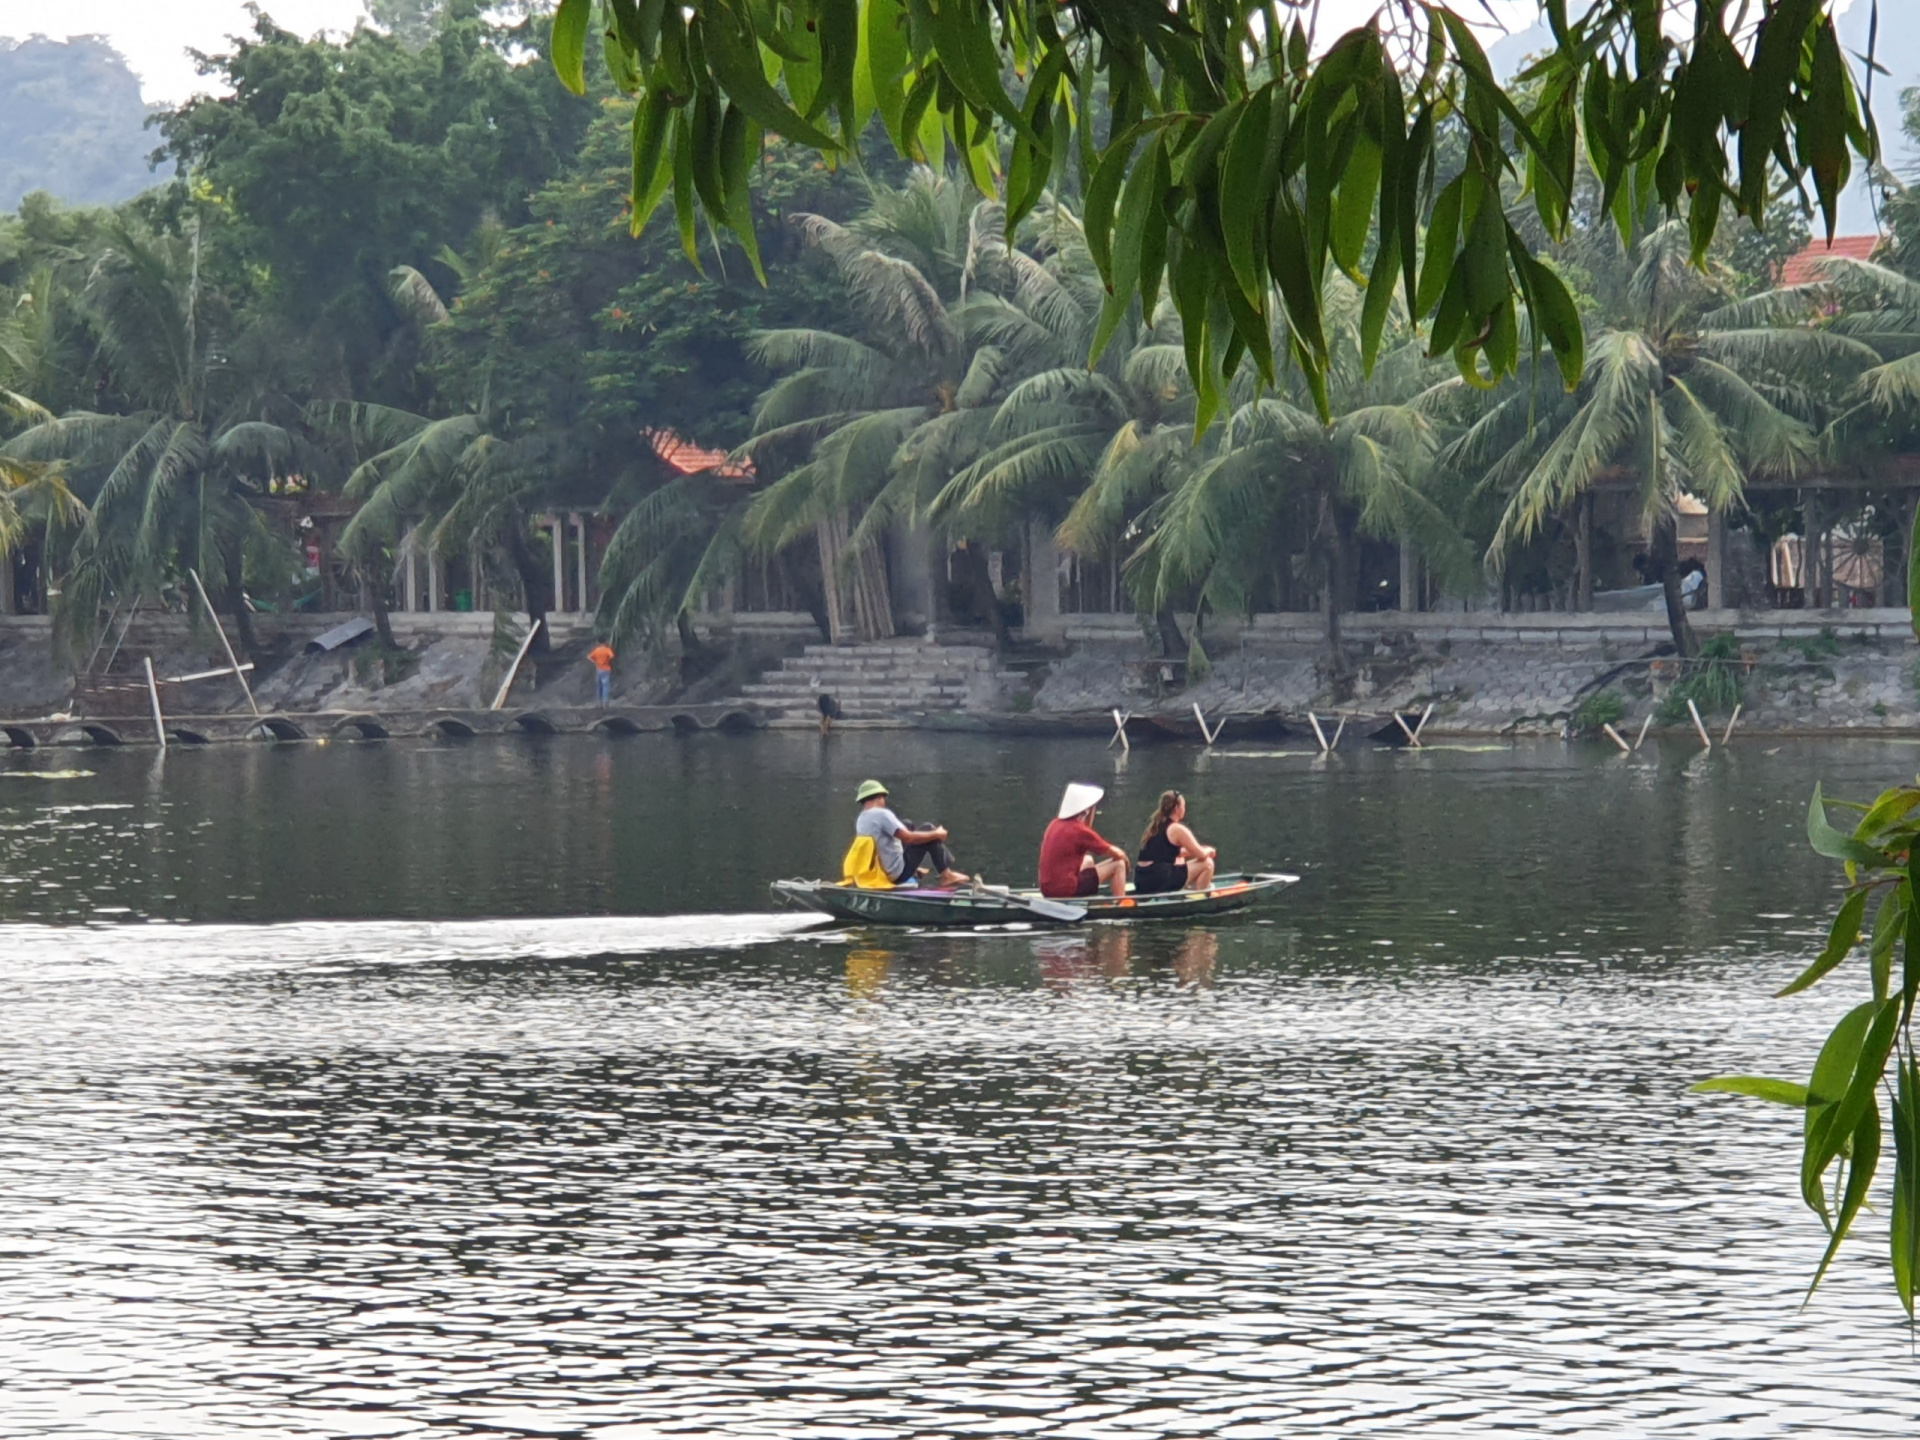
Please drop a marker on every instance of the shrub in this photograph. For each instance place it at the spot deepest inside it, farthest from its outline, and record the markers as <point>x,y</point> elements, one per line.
<point>1712,681</point>
<point>1603,707</point>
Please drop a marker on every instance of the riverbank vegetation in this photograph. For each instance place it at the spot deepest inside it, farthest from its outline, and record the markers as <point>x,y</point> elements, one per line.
<point>385,304</point>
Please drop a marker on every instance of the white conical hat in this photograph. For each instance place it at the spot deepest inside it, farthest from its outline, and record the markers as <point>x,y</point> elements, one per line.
<point>1079,799</point>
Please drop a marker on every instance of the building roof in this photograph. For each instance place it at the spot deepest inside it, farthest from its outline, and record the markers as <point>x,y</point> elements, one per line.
<point>1805,267</point>
<point>688,458</point>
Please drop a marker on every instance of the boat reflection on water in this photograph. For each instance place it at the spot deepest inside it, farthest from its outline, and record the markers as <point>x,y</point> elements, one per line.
<point>1194,961</point>
<point>867,972</point>
<point>1072,958</point>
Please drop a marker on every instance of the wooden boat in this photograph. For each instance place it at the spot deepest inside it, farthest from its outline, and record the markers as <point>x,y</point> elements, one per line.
<point>909,905</point>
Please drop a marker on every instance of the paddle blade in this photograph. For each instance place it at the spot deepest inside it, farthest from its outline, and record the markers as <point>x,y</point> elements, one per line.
<point>1056,910</point>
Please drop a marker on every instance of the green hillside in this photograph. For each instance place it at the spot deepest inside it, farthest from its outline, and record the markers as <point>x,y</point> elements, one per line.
<point>71,122</point>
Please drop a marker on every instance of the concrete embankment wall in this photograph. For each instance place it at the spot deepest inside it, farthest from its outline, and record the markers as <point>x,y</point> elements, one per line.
<point>1802,670</point>
<point>1850,670</point>
<point>448,666</point>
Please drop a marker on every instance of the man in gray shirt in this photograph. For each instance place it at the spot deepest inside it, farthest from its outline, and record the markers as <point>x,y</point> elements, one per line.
<point>902,848</point>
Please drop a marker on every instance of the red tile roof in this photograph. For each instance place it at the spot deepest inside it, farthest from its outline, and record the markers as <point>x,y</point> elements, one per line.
<point>1805,267</point>
<point>690,459</point>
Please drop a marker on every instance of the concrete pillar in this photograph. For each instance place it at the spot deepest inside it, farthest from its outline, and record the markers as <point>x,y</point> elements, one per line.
<point>6,582</point>
<point>413,580</point>
<point>910,577</point>
<point>580,561</point>
<point>1409,575</point>
<point>1043,581</point>
<point>1719,590</point>
<point>433,582</point>
<point>559,567</point>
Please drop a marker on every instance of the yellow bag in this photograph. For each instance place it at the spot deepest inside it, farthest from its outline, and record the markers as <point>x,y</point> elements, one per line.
<point>862,866</point>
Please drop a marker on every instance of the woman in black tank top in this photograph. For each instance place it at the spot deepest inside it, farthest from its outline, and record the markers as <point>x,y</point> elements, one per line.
<point>1170,858</point>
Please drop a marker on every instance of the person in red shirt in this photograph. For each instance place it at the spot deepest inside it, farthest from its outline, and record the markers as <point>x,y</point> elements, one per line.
<point>1068,863</point>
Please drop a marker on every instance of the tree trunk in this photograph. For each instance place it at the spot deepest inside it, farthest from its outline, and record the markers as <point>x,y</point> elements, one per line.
<point>811,595</point>
<point>1339,581</point>
<point>982,575</point>
<point>527,565</point>
<point>1583,553</point>
<point>1166,624</point>
<point>236,598</point>
<point>1665,563</point>
<point>382,625</point>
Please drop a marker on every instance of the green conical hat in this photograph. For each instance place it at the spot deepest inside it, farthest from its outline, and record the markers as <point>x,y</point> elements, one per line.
<point>868,789</point>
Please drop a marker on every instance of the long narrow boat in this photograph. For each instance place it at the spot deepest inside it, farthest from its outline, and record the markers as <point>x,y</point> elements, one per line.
<point>923,907</point>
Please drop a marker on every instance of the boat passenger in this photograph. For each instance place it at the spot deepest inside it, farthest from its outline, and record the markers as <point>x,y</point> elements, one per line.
<point>1068,863</point>
<point>1170,857</point>
<point>901,847</point>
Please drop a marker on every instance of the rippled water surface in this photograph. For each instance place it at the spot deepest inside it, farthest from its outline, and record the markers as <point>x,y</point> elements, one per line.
<point>419,1090</point>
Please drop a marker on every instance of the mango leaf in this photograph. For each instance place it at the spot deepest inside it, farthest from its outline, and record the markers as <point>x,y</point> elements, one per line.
<point>1842,936</point>
<point>570,25</point>
<point>1836,844</point>
<point>1905,1229</point>
<point>1780,1092</point>
<point>1863,1158</point>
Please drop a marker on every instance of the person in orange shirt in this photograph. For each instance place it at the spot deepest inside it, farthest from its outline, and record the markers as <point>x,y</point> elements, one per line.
<point>602,657</point>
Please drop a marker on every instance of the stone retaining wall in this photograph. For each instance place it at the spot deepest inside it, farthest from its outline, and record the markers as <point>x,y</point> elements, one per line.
<point>1798,670</point>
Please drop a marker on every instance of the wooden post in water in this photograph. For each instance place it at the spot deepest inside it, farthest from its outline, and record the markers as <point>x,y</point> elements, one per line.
<point>221,631</point>
<point>1120,732</point>
<point>1645,725</point>
<point>1338,731</point>
<point>1614,735</point>
<point>1425,715</point>
<point>1699,724</point>
<point>1318,733</point>
<point>1732,720</point>
<point>153,698</point>
<point>1406,729</point>
<point>1205,734</point>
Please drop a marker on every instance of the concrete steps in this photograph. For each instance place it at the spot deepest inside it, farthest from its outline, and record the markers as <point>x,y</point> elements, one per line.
<point>886,677</point>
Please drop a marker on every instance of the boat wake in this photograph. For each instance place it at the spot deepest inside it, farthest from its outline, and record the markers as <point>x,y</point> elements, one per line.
<point>52,951</point>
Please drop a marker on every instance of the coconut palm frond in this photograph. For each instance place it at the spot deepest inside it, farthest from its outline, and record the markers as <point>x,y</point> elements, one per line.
<point>254,443</point>
<point>1710,468</point>
<point>1893,388</point>
<point>1814,358</point>
<point>1137,464</point>
<point>1623,377</point>
<point>415,296</point>
<point>1785,305</point>
<point>1770,440</point>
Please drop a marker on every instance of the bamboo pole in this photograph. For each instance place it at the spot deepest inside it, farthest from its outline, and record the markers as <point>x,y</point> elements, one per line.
<point>1425,715</point>
<point>500,698</point>
<point>1405,729</point>
<point>1645,725</point>
<point>1338,731</point>
<point>1318,733</point>
<point>1699,724</point>
<point>1120,731</point>
<point>1208,735</point>
<point>153,698</point>
<point>1614,735</point>
<point>221,631</point>
<point>1732,721</point>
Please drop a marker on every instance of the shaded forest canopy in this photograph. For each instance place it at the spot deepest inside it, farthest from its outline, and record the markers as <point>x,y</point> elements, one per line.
<point>71,122</point>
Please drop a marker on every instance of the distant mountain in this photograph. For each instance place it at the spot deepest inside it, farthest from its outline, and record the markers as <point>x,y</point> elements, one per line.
<point>71,122</point>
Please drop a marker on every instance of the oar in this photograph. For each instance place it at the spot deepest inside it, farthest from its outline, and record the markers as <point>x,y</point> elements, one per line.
<point>1055,910</point>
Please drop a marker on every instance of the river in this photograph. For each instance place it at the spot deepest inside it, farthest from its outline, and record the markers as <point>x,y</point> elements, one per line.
<point>475,1090</point>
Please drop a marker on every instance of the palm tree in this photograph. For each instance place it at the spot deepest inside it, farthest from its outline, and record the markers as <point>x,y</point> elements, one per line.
<point>439,485</point>
<point>870,422</point>
<point>1202,519</point>
<point>1695,394</point>
<point>171,485</point>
